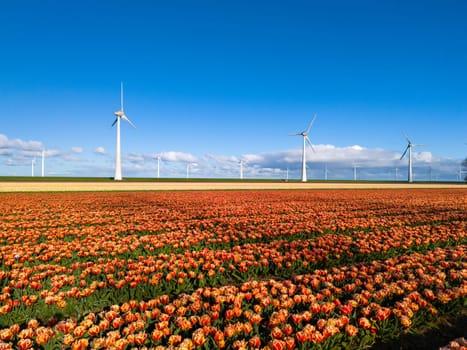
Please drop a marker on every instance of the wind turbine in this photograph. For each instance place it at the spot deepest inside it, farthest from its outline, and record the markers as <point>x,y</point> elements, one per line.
<point>33,162</point>
<point>355,167</point>
<point>188,167</point>
<point>409,148</point>
<point>305,140</point>
<point>460,174</point>
<point>158,165</point>
<point>120,114</point>
<point>43,161</point>
<point>241,169</point>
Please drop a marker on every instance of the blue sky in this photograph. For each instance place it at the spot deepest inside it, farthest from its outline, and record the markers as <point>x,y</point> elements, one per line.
<point>212,82</point>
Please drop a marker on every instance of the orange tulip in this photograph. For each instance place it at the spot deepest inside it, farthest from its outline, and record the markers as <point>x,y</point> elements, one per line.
<point>277,344</point>
<point>175,339</point>
<point>24,344</point>
<point>351,330</point>
<point>157,335</point>
<point>198,337</point>
<point>277,333</point>
<point>6,334</point>
<point>405,321</point>
<point>364,323</point>
<point>219,339</point>
<point>26,333</point>
<point>140,338</point>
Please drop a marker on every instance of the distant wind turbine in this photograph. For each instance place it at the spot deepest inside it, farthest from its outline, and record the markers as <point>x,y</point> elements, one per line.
<point>43,163</point>
<point>188,167</point>
<point>409,148</point>
<point>355,166</point>
<point>460,173</point>
<point>158,165</point>
<point>305,140</point>
<point>241,169</point>
<point>120,114</point>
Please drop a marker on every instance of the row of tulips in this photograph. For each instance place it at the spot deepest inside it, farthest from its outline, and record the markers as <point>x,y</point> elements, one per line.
<point>344,304</point>
<point>48,284</point>
<point>71,222</point>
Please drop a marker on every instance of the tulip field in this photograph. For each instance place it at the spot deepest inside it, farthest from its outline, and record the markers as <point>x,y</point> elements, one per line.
<point>255,269</point>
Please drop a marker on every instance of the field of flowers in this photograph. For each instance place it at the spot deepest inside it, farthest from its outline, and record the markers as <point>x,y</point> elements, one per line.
<point>229,269</point>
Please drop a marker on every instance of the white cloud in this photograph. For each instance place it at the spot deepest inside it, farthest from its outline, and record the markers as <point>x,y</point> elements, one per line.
<point>54,153</point>
<point>425,157</point>
<point>373,163</point>
<point>20,154</point>
<point>252,158</point>
<point>134,158</point>
<point>338,160</point>
<point>5,152</point>
<point>19,144</point>
<point>173,156</point>
<point>100,150</point>
<point>222,158</point>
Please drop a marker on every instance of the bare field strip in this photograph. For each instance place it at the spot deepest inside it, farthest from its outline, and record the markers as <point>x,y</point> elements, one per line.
<point>19,186</point>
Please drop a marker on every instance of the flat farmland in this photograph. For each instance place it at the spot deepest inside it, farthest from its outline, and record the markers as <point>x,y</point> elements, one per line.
<point>131,265</point>
<point>63,186</point>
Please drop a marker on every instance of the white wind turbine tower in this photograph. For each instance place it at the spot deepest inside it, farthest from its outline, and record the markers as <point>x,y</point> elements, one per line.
<point>305,140</point>
<point>409,148</point>
<point>43,163</point>
<point>188,167</point>
<point>158,165</point>
<point>33,162</point>
<point>120,114</point>
<point>241,169</point>
<point>355,167</point>
<point>460,174</point>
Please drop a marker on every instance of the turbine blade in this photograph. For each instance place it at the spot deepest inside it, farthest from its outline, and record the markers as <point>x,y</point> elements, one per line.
<point>125,118</point>
<point>403,154</point>
<point>311,124</point>
<point>418,144</point>
<point>114,121</point>
<point>309,142</point>
<point>407,138</point>
<point>297,134</point>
